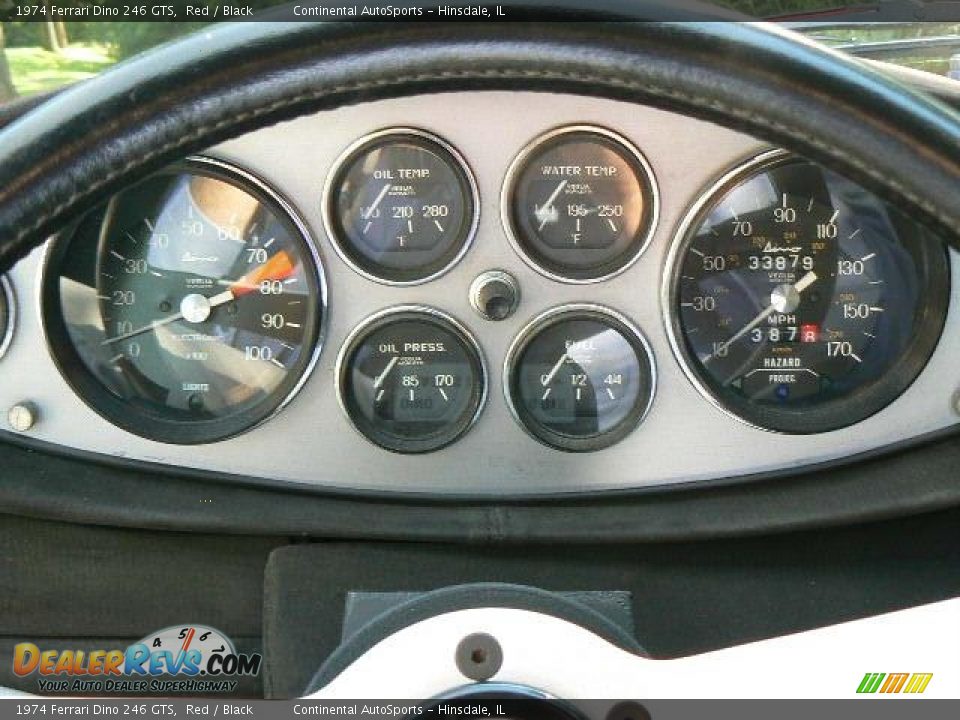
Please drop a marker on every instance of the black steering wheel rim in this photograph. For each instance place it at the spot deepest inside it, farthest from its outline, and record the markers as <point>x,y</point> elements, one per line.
<point>73,151</point>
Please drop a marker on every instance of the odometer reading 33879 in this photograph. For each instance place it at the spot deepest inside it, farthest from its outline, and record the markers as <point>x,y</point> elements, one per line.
<point>799,301</point>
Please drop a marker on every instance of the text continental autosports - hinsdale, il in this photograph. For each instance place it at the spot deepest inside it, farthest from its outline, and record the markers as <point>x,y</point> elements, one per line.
<point>458,709</point>
<point>395,11</point>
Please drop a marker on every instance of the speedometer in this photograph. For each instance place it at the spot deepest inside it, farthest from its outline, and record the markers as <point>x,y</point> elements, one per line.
<point>800,302</point>
<point>188,308</point>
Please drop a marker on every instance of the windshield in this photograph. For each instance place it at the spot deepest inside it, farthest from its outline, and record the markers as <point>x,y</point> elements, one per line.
<point>38,56</point>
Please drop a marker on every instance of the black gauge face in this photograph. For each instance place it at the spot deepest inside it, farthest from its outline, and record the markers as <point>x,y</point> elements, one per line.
<point>411,380</point>
<point>188,308</point>
<point>580,204</point>
<point>802,302</point>
<point>579,379</point>
<point>401,207</point>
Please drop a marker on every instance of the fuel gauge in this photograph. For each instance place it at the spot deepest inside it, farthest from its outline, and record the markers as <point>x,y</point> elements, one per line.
<point>579,378</point>
<point>411,379</point>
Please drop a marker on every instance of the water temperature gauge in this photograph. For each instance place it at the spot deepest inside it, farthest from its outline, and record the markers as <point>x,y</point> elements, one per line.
<point>579,378</point>
<point>580,204</point>
<point>411,379</point>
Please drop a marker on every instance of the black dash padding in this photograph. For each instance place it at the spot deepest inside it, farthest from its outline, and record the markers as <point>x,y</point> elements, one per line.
<point>75,586</point>
<point>687,597</point>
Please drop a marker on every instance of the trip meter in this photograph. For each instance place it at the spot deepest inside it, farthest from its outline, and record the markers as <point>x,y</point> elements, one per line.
<point>799,301</point>
<point>580,204</point>
<point>411,379</point>
<point>189,307</point>
<point>401,206</point>
<point>579,378</point>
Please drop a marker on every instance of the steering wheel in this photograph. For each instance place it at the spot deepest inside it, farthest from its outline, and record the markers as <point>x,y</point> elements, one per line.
<point>72,152</point>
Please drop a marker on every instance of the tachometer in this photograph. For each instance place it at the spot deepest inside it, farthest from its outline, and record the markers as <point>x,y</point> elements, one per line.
<point>188,308</point>
<point>799,301</point>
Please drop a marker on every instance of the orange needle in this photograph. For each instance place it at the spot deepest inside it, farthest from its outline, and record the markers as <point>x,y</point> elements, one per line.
<point>278,267</point>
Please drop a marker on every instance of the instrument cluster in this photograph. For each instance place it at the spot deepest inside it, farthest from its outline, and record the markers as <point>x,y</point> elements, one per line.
<point>558,291</point>
<point>190,308</point>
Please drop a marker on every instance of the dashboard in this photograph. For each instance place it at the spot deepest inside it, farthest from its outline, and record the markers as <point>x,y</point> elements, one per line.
<point>485,293</point>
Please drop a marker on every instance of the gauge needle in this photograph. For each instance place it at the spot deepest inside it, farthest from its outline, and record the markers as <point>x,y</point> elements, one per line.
<point>543,212</point>
<point>279,267</point>
<point>152,326</point>
<point>383,376</point>
<point>777,305</point>
<point>196,307</point>
<point>553,373</point>
<point>372,208</point>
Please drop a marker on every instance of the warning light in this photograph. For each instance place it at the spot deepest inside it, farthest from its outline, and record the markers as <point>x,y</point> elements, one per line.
<point>809,333</point>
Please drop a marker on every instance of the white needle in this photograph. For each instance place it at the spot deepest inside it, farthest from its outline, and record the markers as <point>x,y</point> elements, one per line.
<point>542,212</point>
<point>152,326</point>
<point>806,281</point>
<point>553,373</point>
<point>383,376</point>
<point>212,302</point>
<point>221,298</point>
<point>372,208</point>
<point>802,284</point>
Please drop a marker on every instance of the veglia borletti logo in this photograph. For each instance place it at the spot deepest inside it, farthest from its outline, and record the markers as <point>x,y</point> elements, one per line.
<point>180,658</point>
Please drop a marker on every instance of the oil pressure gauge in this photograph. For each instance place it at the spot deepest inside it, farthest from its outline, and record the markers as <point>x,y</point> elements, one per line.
<point>580,204</point>
<point>579,378</point>
<point>411,379</point>
<point>401,206</point>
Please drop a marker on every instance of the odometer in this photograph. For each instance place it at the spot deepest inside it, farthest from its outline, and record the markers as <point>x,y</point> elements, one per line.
<point>188,308</point>
<point>799,301</point>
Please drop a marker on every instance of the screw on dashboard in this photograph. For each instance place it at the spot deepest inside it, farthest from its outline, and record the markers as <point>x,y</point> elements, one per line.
<point>22,416</point>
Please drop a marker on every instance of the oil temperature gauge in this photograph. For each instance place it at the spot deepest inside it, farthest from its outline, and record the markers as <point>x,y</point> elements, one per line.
<point>411,379</point>
<point>401,206</point>
<point>579,378</point>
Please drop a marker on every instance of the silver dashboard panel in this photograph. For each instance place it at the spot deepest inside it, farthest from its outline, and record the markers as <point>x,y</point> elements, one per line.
<point>311,442</point>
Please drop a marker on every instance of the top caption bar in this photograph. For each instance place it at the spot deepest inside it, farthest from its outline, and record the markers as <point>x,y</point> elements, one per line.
<point>176,11</point>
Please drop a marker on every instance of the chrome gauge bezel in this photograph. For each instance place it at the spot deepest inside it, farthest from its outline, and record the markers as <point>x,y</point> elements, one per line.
<point>385,317</point>
<point>519,163</point>
<point>573,311</point>
<point>11,299</point>
<point>830,416</point>
<point>328,202</point>
<point>118,412</point>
